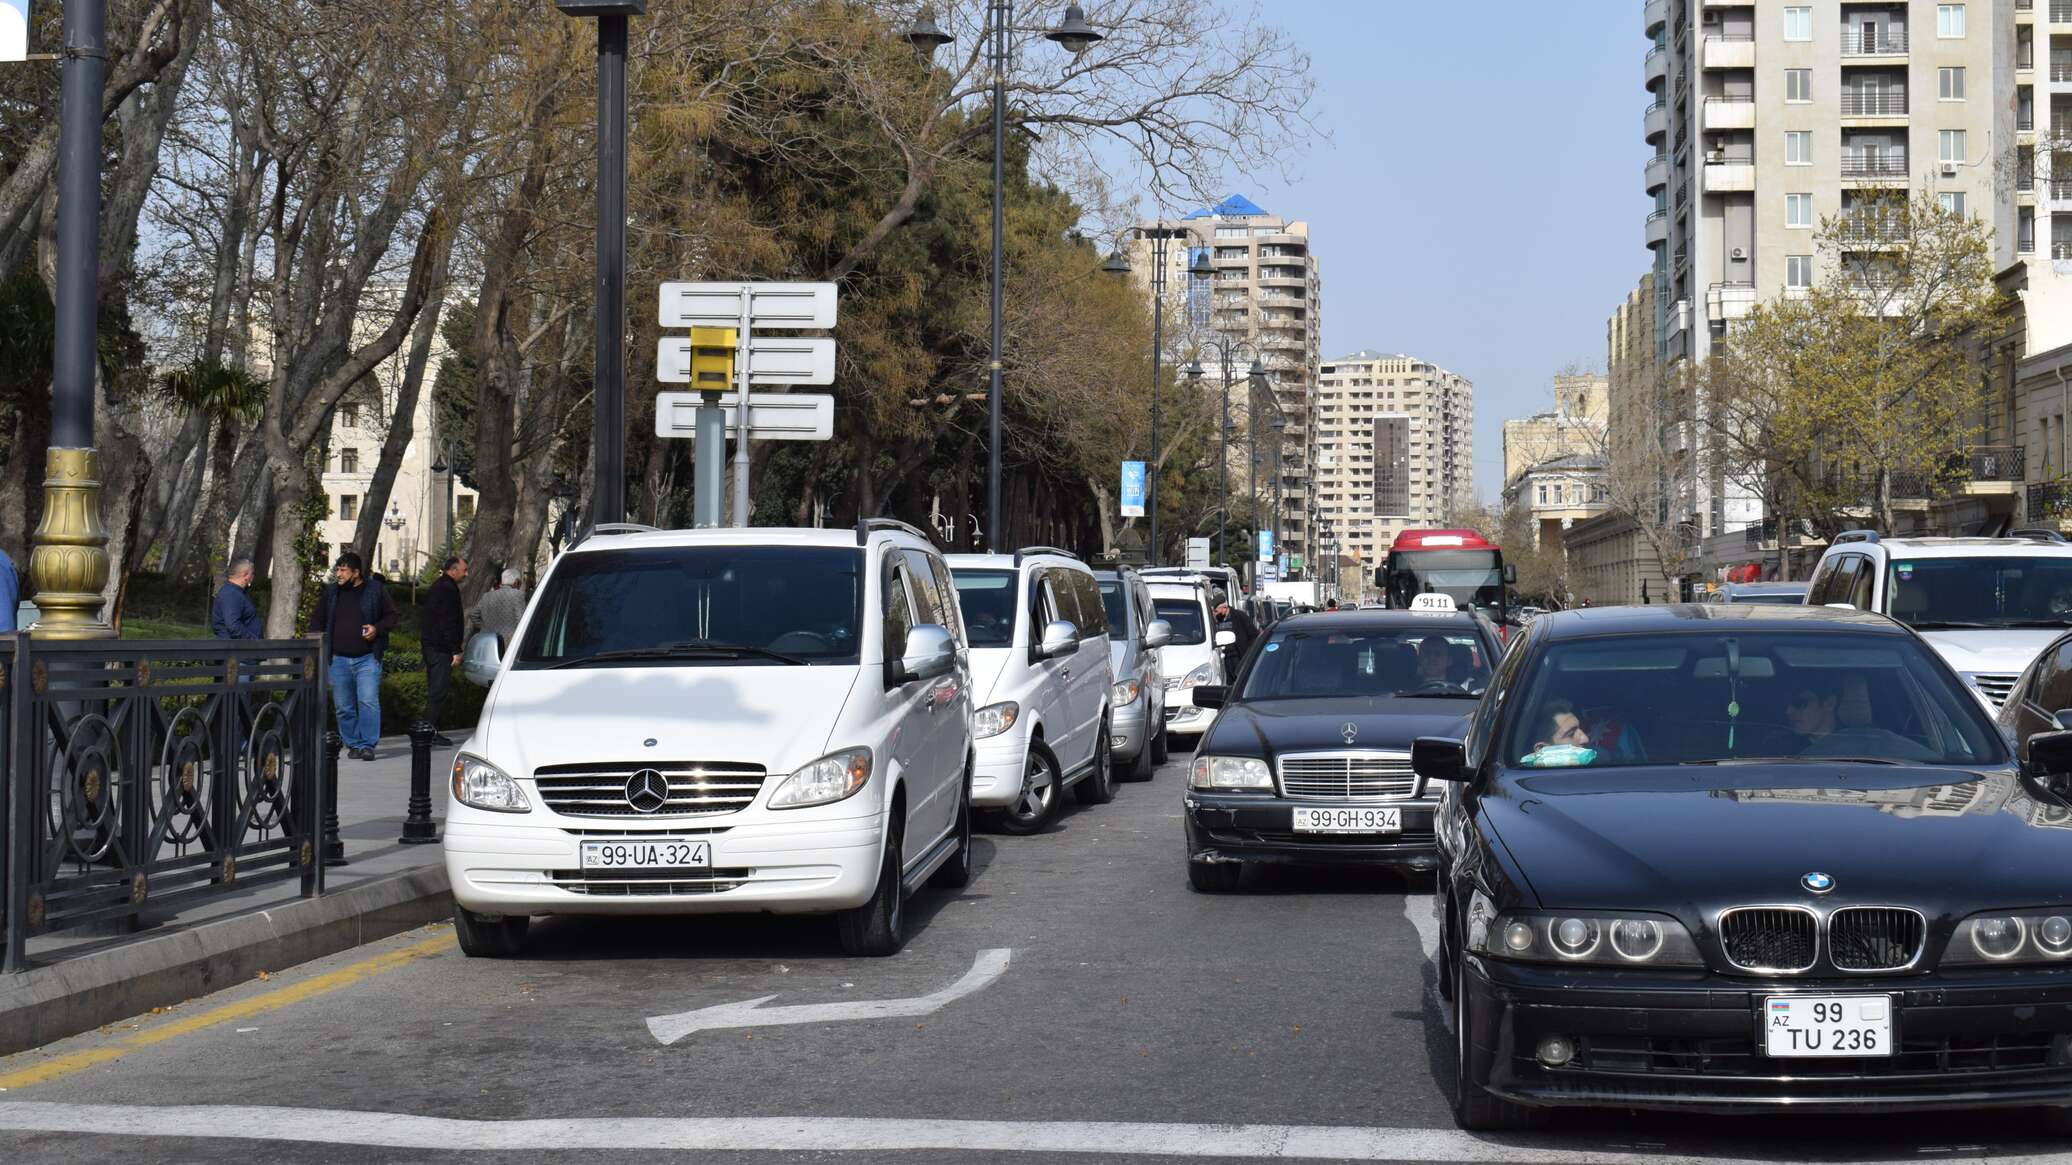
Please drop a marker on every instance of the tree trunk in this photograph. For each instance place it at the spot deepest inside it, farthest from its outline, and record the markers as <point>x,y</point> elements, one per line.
<point>175,488</point>
<point>402,426</point>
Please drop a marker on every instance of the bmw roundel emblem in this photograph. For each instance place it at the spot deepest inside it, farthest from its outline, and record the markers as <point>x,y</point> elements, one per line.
<point>1817,882</point>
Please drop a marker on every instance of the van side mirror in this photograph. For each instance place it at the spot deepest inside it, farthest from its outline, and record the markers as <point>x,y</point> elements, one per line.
<point>2050,753</point>
<point>1437,758</point>
<point>1158,633</point>
<point>1226,638</point>
<point>1379,572</point>
<point>930,652</point>
<point>1511,574</point>
<point>481,659</point>
<point>1059,638</point>
<point>1211,695</point>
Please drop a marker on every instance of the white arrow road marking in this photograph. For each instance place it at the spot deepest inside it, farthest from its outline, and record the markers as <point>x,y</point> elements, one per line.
<point>867,1134</point>
<point>990,965</point>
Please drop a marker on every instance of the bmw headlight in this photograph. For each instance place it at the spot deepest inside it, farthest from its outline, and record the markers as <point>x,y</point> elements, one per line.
<point>1204,674</point>
<point>1594,938</point>
<point>2010,936</point>
<point>836,776</point>
<point>1230,772</point>
<point>1125,693</point>
<point>994,719</point>
<point>481,785</point>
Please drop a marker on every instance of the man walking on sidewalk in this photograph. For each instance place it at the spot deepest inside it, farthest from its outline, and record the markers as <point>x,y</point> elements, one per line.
<point>356,614</point>
<point>500,609</point>
<point>442,625</point>
<point>233,616</point>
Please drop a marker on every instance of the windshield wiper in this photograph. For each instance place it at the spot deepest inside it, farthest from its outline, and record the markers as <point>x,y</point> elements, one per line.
<point>694,649</point>
<point>1419,695</point>
<point>2033,623</point>
<point>1796,760</point>
<point>1951,625</point>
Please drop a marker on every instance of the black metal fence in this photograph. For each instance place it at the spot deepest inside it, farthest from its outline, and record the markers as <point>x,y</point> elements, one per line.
<point>135,774</point>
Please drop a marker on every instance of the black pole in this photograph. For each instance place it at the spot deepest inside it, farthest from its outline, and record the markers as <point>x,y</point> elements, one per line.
<point>1002,14</point>
<point>79,225</point>
<point>418,826</point>
<point>1158,287</point>
<point>1223,442</point>
<point>331,847</point>
<point>609,433</point>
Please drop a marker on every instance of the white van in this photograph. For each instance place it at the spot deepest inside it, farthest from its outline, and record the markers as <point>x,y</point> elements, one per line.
<point>728,720</point>
<point>1194,654</point>
<point>1041,683</point>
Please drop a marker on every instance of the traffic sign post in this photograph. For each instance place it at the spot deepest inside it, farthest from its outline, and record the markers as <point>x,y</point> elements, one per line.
<point>775,416</point>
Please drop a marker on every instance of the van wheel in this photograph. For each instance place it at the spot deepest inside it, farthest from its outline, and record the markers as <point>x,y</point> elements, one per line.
<point>878,927</point>
<point>1099,786</point>
<point>1141,769</point>
<point>955,874</point>
<point>1161,745</point>
<point>1033,807</point>
<point>489,936</point>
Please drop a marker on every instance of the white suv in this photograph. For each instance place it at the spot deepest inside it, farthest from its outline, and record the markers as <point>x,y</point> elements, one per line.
<point>1987,605</point>
<point>1041,681</point>
<point>1193,656</point>
<point>707,721</point>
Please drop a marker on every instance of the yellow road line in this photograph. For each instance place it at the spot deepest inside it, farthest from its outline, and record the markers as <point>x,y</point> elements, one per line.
<point>279,997</point>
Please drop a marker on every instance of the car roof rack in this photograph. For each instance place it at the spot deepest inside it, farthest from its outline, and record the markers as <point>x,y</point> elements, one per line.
<point>1854,536</point>
<point>2037,533</point>
<point>867,526</point>
<point>587,532</point>
<point>1034,550</point>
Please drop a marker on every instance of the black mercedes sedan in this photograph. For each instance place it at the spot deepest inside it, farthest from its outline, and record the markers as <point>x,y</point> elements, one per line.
<point>1309,760</point>
<point>1748,858</point>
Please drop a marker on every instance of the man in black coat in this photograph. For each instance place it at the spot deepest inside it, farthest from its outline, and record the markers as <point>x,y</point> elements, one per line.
<point>443,625</point>
<point>356,614</point>
<point>1229,618</point>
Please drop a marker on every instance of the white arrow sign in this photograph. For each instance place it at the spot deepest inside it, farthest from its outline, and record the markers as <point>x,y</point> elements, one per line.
<point>771,305</point>
<point>775,416</point>
<point>771,360</point>
<point>990,965</point>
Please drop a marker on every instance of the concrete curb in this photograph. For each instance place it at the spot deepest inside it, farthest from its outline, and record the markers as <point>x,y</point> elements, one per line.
<point>83,993</point>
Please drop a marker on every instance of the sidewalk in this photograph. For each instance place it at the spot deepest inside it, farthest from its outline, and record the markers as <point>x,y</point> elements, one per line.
<point>80,980</point>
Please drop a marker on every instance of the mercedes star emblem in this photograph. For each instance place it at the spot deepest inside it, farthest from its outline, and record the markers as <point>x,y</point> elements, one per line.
<point>647,791</point>
<point>1818,882</point>
<point>1351,732</point>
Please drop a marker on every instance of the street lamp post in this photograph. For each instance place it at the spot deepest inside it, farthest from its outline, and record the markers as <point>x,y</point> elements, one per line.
<point>1161,236</point>
<point>608,430</point>
<point>1076,36</point>
<point>1227,349</point>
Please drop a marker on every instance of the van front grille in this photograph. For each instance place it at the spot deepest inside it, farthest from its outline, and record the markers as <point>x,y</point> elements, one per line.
<point>695,788</point>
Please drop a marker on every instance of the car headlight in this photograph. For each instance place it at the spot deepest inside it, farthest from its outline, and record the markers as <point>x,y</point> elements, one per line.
<point>1622,939</point>
<point>1230,772</point>
<point>1206,673</point>
<point>2007,936</point>
<point>1125,693</point>
<point>481,785</point>
<point>994,719</point>
<point>832,778</point>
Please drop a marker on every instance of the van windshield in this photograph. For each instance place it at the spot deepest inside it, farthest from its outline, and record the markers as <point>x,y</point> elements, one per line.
<point>699,605</point>
<point>2032,591</point>
<point>1185,615</point>
<point>1117,603</point>
<point>988,599</point>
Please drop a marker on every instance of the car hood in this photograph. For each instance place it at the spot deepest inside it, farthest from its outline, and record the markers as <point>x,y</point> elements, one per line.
<point>988,666</point>
<point>1692,840</point>
<point>1991,652</point>
<point>1271,727</point>
<point>776,716</point>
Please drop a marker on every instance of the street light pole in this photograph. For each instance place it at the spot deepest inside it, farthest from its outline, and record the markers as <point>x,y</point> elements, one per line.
<point>68,556</point>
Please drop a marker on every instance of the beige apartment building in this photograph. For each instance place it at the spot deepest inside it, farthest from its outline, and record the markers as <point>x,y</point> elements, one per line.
<point>1262,302</point>
<point>1395,448</point>
<point>1554,462</point>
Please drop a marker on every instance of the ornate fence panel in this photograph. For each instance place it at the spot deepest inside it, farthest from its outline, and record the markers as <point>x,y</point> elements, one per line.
<point>151,773</point>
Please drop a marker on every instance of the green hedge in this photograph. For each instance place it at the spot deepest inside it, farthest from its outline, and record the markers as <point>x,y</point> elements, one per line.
<point>402,696</point>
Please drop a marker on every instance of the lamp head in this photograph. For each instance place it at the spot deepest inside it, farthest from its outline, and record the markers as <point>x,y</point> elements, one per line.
<point>1073,31</point>
<point>1115,264</point>
<point>1200,268</point>
<point>925,35</point>
<point>1193,371</point>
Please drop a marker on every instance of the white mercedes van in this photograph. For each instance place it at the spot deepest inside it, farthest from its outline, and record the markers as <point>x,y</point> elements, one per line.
<point>724,720</point>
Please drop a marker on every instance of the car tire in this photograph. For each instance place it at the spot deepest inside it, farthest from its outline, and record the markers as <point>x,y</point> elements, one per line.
<point>878,927</point>
<point>489,936</point>
<point>1161,744</point>
<point>1098,787</point>
<point>1032,810</point>
<point>1475,1109</point>
<point>1141,769</point>
<point>1214,877</point>
<point>955,874</point>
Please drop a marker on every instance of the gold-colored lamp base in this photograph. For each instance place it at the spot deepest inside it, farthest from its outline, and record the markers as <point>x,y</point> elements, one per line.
<point>68,555</point>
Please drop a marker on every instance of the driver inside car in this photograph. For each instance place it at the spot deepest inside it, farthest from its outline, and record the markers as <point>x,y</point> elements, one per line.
<point>1435,663</point>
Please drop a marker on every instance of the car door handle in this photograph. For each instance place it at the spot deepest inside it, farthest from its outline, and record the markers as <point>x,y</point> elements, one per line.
<point>1067,671</point>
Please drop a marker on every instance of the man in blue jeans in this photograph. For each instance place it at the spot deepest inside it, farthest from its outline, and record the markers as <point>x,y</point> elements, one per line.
<point>356,614</point>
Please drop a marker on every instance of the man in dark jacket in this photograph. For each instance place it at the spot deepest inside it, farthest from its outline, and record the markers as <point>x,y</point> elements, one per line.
<point>356,614</point>
<point>233,616</point>
<point>442,624</point>
<point>1229,618</point>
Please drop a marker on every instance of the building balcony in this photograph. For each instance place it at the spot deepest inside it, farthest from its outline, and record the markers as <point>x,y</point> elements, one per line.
<point>1994,465</point>
<point>1729,51</point>
<point>1655,122</point>
<point>1654,68</point>
<point>1879,165</point>
<point>1729,177</point>
<point>1653,15</point>
<point>1657,172</point>
<point>2049,501</point>
<point>1658,229</point>
<point>1724,113</point>
<point>2060,190</point>
<point>2060,71</point>
<point>1729,301</point>
<point>2061,11</point>
<point>1874,104</point>
<point>1868,42</point>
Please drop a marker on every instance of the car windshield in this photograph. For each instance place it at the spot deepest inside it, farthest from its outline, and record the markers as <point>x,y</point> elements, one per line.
<point>1322,663</point>
<point>1189,624</point>
<point>988,599</point>
<point>1685,699</point>
<point>1117,602</point>
<point>1990,592</point>
<point>698,605</point>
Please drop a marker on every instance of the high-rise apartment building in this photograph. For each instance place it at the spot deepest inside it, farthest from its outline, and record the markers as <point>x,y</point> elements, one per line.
<point>1262,302</point>
<point>1395,448</point>
<point>1770,117</point>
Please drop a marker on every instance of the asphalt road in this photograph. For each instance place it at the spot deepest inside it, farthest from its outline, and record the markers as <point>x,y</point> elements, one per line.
<point>1134,1020</point>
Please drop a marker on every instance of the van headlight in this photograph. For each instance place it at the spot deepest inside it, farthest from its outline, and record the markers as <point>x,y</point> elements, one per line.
<point>834,777</point>
<point>1230,772</point>
<point>481,785</point>
<point>994,719</point>
<point>1204,674</point>
<point>1126,693</point>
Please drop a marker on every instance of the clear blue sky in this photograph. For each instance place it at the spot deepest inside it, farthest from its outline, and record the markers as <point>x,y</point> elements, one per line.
<point>1479,201</point>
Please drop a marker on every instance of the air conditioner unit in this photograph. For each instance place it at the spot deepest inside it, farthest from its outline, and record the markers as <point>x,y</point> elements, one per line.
<point>1949,169</point>
<point>1716,156</point>
<point>1711,17</point>
<point>1738,253</point>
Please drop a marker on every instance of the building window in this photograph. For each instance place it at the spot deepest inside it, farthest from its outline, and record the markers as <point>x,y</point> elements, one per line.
<point>1543,495</point>
<point>1952,201</point>
<point>2025,230</point>
<point>348,461</point>
<point>1798,84</point>
<point>1950,145</point>
<point>1798,271</point>
<point>350,414</point>
<point>1798,210</point>
<point>348,507</point>
<point>1949,21</point>
<point>1951,84</point>
<point>1798,147</point>
<point>1798,23</point>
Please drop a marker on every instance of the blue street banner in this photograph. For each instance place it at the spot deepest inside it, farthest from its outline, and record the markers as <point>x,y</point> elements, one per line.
<point>1266,546</point>
<point>1132,489</point>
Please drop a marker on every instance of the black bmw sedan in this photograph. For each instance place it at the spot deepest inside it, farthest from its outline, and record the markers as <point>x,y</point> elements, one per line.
<point>1309,760</point>
<point>1746,858</point>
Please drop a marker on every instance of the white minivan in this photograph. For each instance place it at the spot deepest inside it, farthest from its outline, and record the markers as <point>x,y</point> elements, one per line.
<point>1041,680</point>
<point>723,720</point>
<point>1194,655</point>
